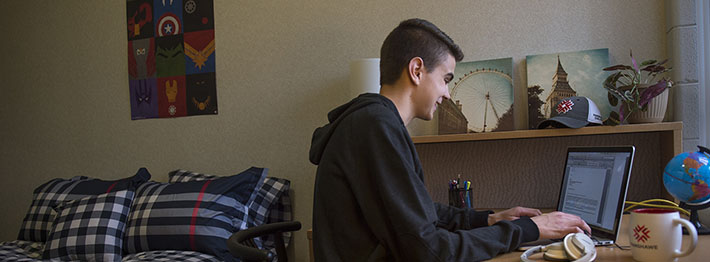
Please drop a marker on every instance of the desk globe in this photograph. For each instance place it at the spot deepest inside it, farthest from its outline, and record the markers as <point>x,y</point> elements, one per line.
<point>686,177</point>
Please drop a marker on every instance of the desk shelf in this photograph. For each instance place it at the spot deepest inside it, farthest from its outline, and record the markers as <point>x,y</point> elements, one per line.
<point>525,167</point>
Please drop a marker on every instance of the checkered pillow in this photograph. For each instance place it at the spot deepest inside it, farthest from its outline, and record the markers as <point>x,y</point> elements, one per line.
<point>170,256</point>
<point>90,228</point>
<point>181,175</point>
<point>195,216</point>
<point>40,216</point>
<point>21,251</point>
<point>272,203</point>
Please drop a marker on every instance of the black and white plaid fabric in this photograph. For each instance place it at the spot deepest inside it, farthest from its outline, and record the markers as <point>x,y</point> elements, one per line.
<point>40,216</point>
<point>26,251</point>
<point>20,250</point>
<point>271,204</point>
<point>170,256</point>
<point>282,211</point>
<point>196,216</point>
<point>90,228</point>
<point>181,175</point>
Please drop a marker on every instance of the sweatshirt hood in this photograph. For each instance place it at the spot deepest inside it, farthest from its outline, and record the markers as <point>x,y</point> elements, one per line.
<point>322,135</point>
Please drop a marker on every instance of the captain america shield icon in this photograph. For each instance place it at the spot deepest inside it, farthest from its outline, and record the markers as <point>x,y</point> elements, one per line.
<point>168,24</point>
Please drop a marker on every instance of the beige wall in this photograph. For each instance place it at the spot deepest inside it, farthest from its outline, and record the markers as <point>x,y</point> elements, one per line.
<point>281,66</point>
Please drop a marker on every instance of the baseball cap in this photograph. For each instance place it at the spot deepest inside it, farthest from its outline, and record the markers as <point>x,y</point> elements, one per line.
<point>573,112</point>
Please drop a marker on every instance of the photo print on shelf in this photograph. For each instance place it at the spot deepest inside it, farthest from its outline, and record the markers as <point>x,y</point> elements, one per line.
<point>553,77</point>
<point>481,98</point>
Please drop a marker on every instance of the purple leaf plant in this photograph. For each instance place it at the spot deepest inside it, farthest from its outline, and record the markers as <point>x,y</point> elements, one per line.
<point>635,86</point>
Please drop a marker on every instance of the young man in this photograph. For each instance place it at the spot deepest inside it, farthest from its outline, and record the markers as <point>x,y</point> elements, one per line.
<point>370,201</point>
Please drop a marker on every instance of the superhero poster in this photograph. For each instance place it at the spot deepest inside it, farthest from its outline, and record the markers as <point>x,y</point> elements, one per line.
<point>171,58</point>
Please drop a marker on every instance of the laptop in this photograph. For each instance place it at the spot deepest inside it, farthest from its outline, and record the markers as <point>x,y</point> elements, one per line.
<point>594,188</point>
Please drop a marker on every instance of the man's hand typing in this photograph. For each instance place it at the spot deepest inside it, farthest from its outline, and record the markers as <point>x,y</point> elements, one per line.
<point>557,225</point>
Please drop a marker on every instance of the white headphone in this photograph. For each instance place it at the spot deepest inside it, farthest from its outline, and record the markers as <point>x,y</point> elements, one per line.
<point>577,247</point>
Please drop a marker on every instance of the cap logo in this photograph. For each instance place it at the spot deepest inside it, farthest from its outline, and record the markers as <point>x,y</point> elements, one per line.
<point>564,106</point>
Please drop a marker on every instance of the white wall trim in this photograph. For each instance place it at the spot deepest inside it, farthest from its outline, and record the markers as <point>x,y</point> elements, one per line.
<point>703,23</point>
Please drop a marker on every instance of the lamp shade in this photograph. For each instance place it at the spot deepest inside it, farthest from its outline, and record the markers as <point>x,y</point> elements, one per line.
<point>364,76</point>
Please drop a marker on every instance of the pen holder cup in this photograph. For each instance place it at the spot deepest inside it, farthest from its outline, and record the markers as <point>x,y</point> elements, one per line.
<point>460,197</point>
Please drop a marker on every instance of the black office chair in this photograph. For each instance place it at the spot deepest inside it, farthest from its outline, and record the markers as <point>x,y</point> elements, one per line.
<point>241,244</point>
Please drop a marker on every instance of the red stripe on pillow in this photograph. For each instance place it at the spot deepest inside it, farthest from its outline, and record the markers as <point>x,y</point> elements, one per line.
<point>195,211</point>
<point>111,187</point>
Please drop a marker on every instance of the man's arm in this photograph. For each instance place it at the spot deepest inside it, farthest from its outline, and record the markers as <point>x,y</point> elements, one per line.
<point>454,218</point>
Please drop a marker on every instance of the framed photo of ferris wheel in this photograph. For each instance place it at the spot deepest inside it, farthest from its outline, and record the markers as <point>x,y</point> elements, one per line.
<point>481,98</point>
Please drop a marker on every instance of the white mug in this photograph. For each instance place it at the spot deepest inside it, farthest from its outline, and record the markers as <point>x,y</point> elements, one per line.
<point>655,234</point>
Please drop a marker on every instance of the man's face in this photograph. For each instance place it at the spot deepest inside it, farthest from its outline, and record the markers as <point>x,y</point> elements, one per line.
<point>433,88</point>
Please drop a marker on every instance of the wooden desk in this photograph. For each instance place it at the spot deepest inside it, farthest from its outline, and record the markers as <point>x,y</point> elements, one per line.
<point>613,253</point>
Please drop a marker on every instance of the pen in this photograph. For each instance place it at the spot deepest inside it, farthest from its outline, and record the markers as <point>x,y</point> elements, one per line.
<point>468,199</point>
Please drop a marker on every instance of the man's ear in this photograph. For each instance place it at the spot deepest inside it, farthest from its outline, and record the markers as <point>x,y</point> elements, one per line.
<point>415,70</point>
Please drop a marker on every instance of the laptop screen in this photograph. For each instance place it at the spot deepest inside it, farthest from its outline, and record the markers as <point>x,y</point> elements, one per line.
<point>594,185</point>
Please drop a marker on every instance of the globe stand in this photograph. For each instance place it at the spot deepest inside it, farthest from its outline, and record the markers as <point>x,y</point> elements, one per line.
<point>702,230</point>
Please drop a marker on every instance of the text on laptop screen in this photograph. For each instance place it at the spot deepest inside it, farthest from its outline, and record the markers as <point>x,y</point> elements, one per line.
<point>592,184</point>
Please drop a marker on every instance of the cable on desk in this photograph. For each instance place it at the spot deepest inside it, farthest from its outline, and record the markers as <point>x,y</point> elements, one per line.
<point>622,247</point>
<point>646,203</point>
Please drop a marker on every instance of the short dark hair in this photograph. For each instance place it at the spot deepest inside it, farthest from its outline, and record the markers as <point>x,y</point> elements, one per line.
<point>414,38</point>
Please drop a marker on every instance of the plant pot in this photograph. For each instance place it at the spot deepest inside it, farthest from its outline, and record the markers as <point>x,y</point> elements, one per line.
<point>655,111</point>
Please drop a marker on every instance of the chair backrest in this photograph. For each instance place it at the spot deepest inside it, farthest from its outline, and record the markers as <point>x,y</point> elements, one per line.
<point>242,245</point>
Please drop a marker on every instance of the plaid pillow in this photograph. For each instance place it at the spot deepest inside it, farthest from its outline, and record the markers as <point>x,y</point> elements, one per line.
<point>40,216</point>
<point>21,251</point>
<point>194,216</point>
<point>272,203</point>
<point>181,175</point>
<point>170,256</point>
<point>90,228</point>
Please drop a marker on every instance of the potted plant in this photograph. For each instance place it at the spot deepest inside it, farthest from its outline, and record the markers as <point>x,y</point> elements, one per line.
<point>634,87</point>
